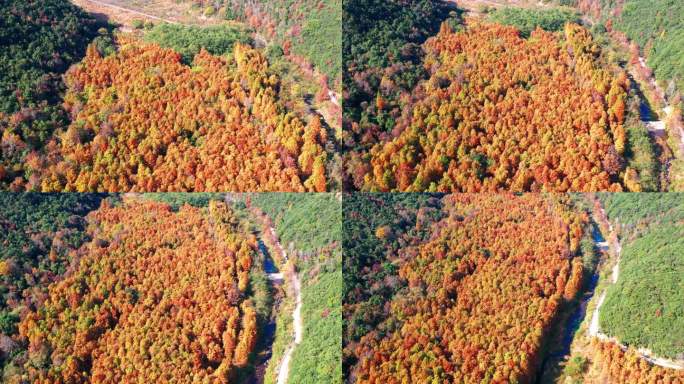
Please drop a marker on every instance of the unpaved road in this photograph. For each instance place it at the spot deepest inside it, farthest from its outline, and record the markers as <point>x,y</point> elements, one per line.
<point>333,98</point>
<point>284,367</point>
<point>594,329</point>
<point>283,370</point>
<point>127,10</point>
<point>667,109</point>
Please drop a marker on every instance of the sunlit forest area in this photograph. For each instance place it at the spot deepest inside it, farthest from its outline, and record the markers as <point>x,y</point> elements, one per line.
<point>573,288</point>
<point>473,96</point>
<point>90,104</point>
<point>94,287</point>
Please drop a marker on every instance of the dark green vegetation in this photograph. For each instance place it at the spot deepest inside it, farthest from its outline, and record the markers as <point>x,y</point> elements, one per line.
<point>189,40</point>
<point>657,26</point>
<point>178,199</point>
<point>311,223</point>
<point>382,39</point>
<point>645,308</point>
<point>640,154</point>
<point>528,19</point>
<point>39,40</point>
<point>375,228</point>
<point>307,28</point>
<point>38,234</point>
<point>317,359</point>
<point>635,210</point>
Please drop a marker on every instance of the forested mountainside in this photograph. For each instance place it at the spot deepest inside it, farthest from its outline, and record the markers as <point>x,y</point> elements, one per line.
<point>39,40</point>
<point>40,235</point>
<point>375,228</point>
<point>217,125</point>
<point>307,30</point>
<point>643,308</point>
<point>484,107</point>
<point>129,282</point>
<point>650,36</point>
<point>382,40</point>
<point>39,44</point>
<point>627,366</point>
<point>309,228</point>
<point>168,108</point>
<point>493,134</point>
<point>471,301</point>
<point>654,25</point>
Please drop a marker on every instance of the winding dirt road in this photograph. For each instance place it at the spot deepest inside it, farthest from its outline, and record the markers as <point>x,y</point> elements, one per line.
<point>594,329</point>
<point>127,10</point>
<point>284,366</point>
<point>283,370</point>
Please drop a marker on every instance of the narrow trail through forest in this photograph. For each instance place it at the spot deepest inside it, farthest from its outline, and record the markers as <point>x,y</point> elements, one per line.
<point>594,328</point>
<point>657,127</point>
<point>119,8</point>
<point>283,370</point>
<point>284,366</point>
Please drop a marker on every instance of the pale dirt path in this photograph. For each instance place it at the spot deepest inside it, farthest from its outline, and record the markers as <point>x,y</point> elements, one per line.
<point>654,126</point>
<point>128,10</point>
<point>283,369</point>
<point>667,109</point>
<point>594,329</point>
<point>333,98</point>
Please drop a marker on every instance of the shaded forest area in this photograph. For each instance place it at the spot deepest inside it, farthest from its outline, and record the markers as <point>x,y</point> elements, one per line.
<point>382,40</point>
<point>309,227</point>
<point>115,273</point>
<point>417,104</point>
<point>39,40</point>
<point>375,229</point>
<point>462,296</point>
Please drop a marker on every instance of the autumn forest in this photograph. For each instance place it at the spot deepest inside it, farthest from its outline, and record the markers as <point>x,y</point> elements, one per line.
<point>501,288</point>
<point>166,287</point>
<point>341,191</point>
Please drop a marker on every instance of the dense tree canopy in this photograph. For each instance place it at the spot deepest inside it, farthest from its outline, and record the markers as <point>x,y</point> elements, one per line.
<point>480,299</point>
<point>529,19</point>
<point>308,31</point>
<point>155,296</point>
<point>189,41</point>
<point>655,25</point>
<point>505,113</point>
<point>627,367</point>
<point>381,48</point>
<point>38,238</point>
<point>142,120</point>
<point>644,307</point>
<point>376,227</point>
<point>39,40</point>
